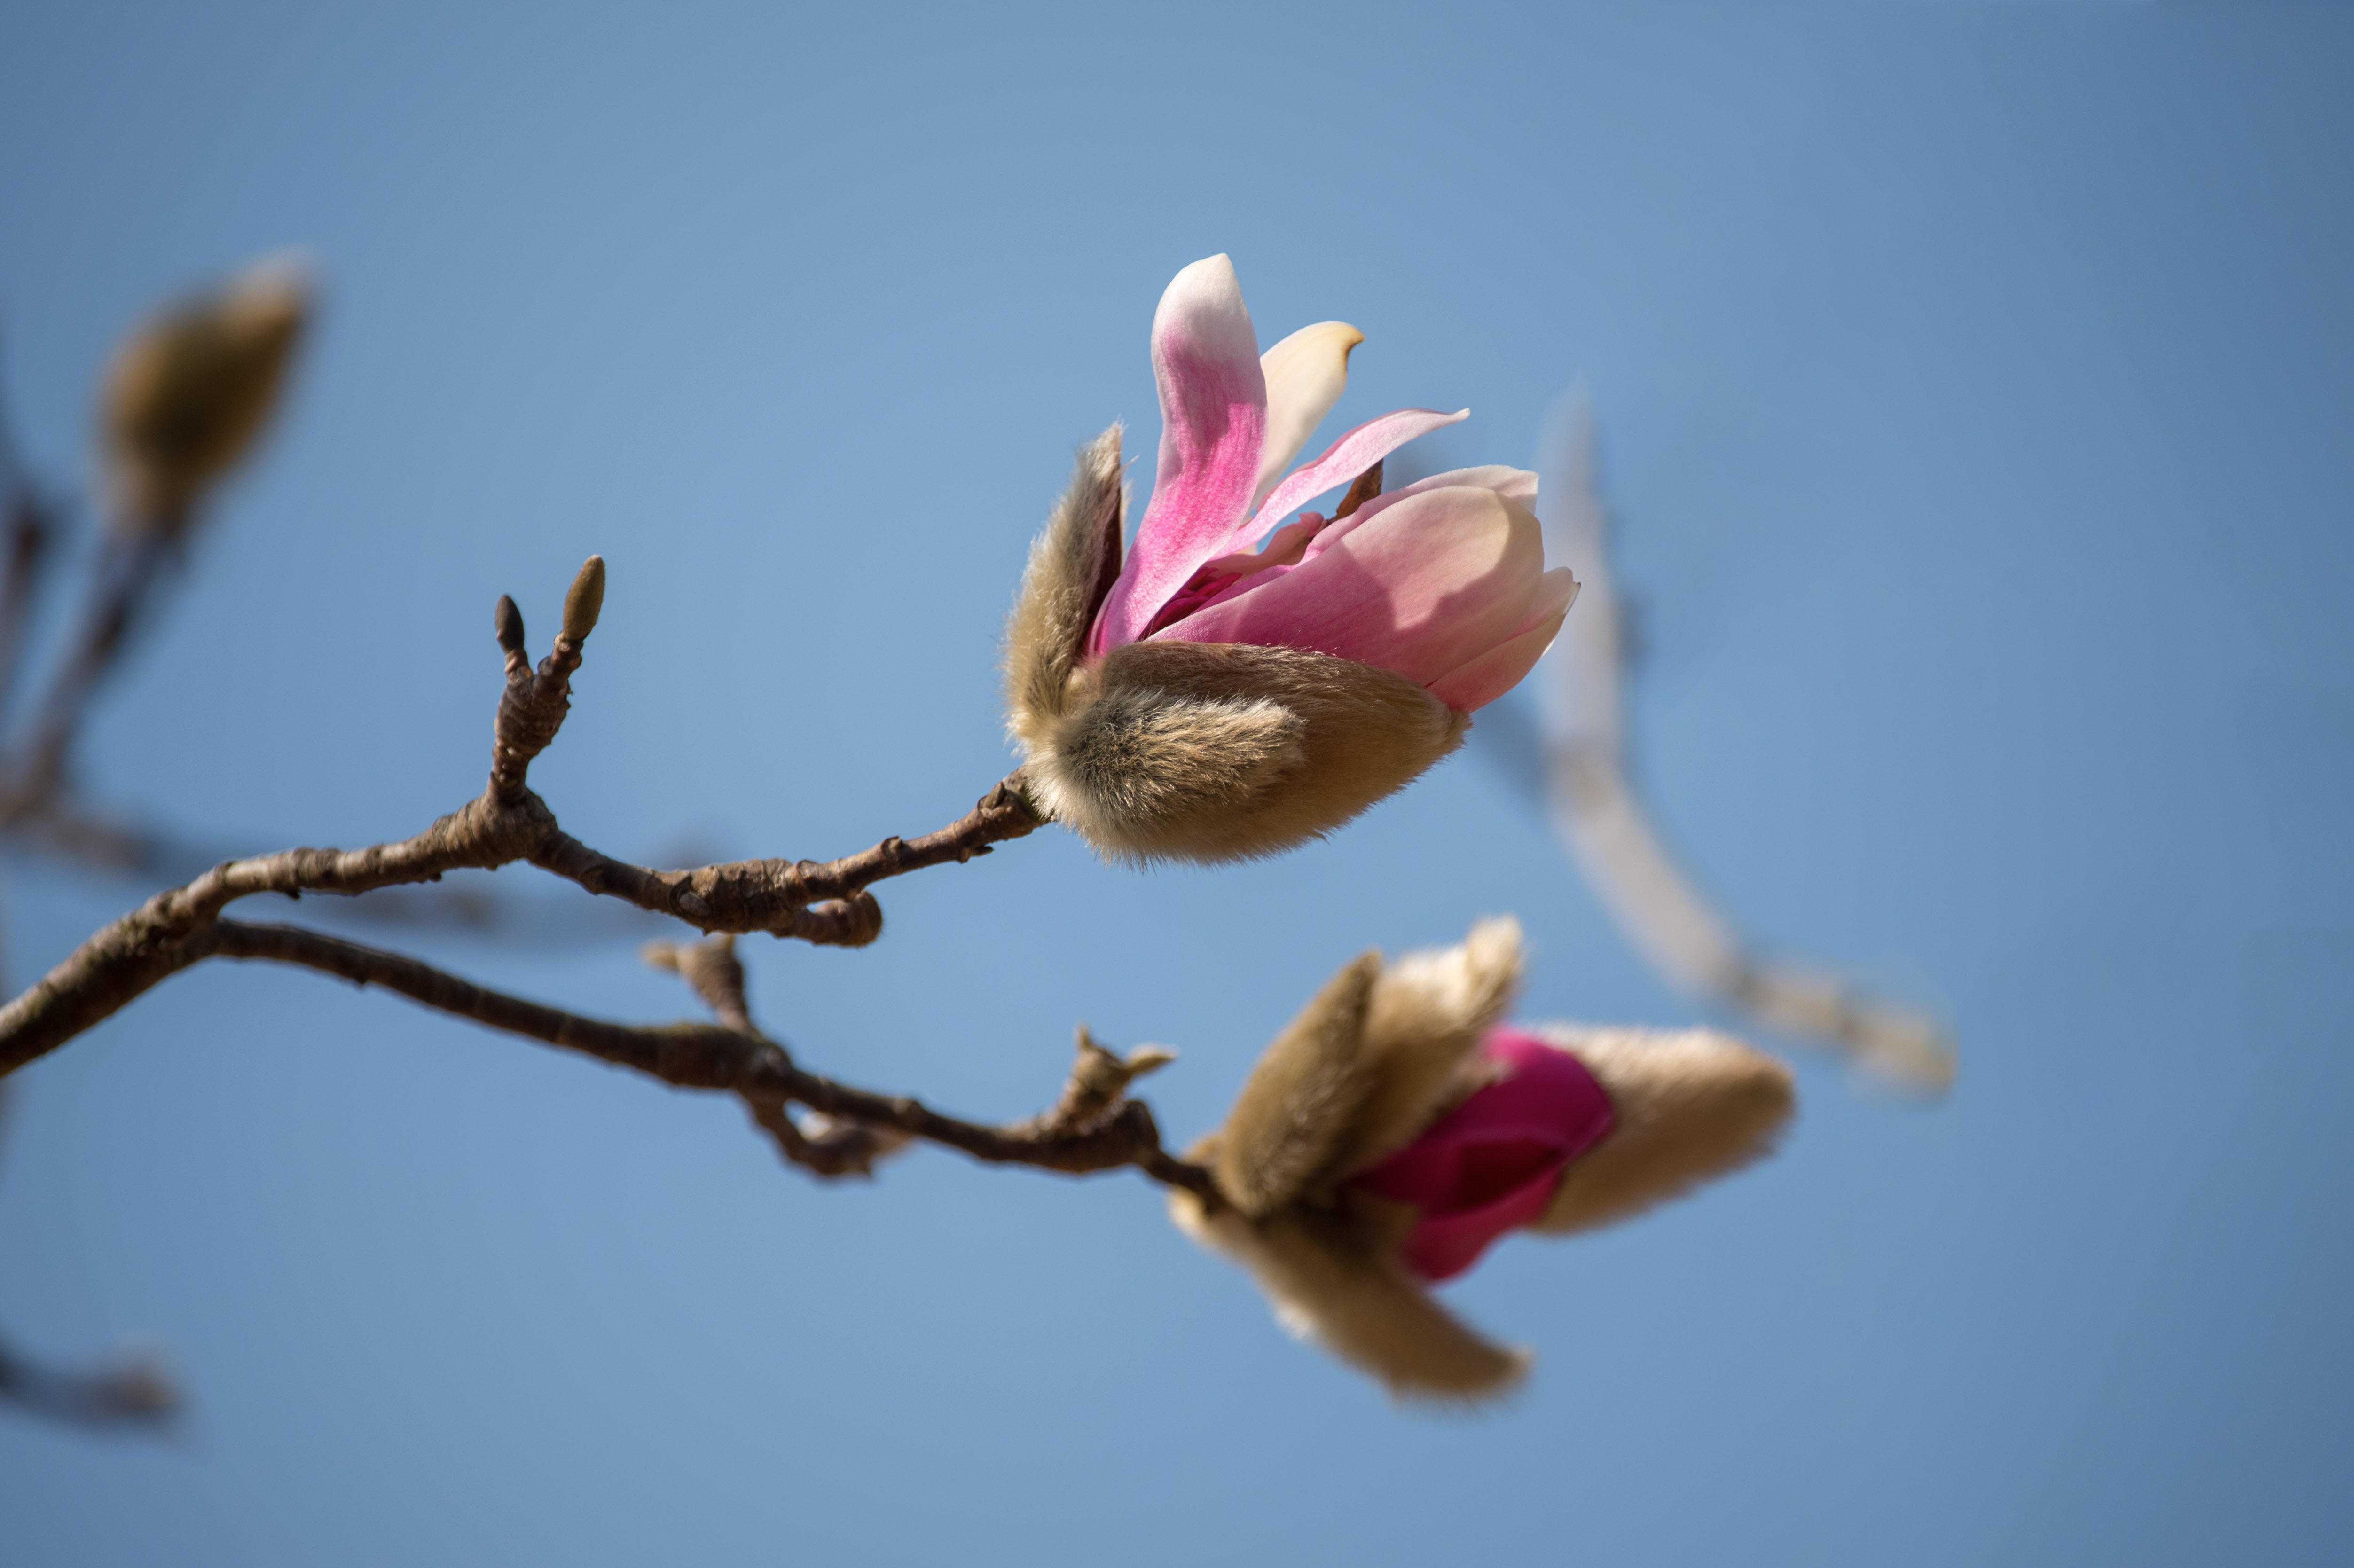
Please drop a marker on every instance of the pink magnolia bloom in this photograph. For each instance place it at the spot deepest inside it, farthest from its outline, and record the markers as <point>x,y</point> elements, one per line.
<point>1197,698</point>
<point>1442,582</point>
<point>1492,1163</point>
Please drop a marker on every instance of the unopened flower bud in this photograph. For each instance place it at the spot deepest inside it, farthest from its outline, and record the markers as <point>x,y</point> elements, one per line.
<point>191,391</point>
<point>1398,1127</point>
<point>506,623</point>
<point>585,600</point>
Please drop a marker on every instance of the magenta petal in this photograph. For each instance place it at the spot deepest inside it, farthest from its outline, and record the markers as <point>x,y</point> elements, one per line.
<point>1221,577</point>
<point>1430,584</point>
<point>1345,460</point>
<point>1491,1163</point>
<point>1213,423</point>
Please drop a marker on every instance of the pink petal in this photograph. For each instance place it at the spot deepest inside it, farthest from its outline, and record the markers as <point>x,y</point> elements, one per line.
<point>1518,485</point>
<point>1213,423</point>
<point>1515,485</point>
<point>1430,584</point>
<point>1221,578</point>
<point>1512,483</point>
<point>1343,460</point>
<point>1471,686</point>
<point>1491,1164</point>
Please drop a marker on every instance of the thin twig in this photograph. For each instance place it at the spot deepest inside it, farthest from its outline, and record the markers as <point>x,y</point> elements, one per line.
<point>135,1392</point>
<point>709,1056</point>
<point>814,902</point>
<point>32,530</point>
<point>124,959</point>
<point>822,1145</point>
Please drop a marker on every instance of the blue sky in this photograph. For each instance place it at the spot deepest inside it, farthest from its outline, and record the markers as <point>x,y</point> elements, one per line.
<point>1973,383</point>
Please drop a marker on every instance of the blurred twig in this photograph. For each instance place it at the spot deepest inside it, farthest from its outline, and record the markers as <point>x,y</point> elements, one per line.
<point>136,1393</point>
<point>34,523</point>
<point>184,402</point>
<point>134,571</point>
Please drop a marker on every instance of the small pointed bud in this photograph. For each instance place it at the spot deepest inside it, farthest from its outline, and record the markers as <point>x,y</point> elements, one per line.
<point>663,955</point>
<point>190,393</point>
<point>1098,1081</point>
<point>507,621</point>
<point>1105,1073</point>
<point>584,600</point>
<point>1148,1059</point>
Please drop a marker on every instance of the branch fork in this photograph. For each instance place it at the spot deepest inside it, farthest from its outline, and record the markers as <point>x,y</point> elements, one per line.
<point>1093,1127</point>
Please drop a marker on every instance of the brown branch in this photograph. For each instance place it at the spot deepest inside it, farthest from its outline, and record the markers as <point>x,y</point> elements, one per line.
<point>707,1056</point>
<point>124,959</point>
<point>170,931</point>
<point>821,1145</point>
<point>814,902</point>
<point>825,1148</point>
<point>533,707</point>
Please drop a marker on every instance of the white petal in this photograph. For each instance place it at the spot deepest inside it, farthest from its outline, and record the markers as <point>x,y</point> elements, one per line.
<point>1306,374</point>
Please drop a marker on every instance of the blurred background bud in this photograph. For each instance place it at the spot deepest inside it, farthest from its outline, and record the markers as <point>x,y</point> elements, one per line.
<point>193,389</point>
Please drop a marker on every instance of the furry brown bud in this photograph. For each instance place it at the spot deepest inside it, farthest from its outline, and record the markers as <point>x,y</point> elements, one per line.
<point>190,393</point>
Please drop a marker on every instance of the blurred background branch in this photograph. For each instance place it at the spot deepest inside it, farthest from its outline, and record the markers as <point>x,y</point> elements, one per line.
<point>1574,761</point>
<point>133,1393</point>
<point>185,403</point>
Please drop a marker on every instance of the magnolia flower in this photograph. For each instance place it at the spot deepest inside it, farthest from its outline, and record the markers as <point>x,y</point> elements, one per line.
<point>1397,1128</point>
<point>1209,700</point>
